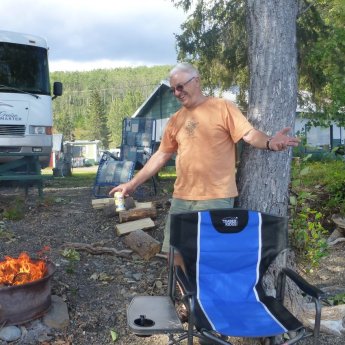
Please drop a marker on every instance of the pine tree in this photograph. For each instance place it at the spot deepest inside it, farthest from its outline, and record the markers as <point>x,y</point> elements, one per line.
<point>97,125</point>
<point>120,109</point>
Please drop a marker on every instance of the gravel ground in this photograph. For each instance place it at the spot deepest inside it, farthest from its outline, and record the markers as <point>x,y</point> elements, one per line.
<point>98,288</point>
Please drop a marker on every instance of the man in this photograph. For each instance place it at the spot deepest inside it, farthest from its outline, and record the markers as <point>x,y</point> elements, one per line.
<point>203,133</point>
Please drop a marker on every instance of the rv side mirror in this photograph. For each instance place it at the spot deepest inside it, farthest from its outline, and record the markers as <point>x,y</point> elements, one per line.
<point>57,89</point>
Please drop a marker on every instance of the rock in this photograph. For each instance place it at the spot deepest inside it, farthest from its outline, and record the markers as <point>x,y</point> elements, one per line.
<point>137,276</point>
<point>57,317</point>
<point>334,235</point>
<point>340,222</point>
<point>333,290</point>
<point>331,319</point>
<point>34,331</point>
<point>10,333</point>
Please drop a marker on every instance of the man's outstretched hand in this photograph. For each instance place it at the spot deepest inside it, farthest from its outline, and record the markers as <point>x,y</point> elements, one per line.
<point>281,140</point>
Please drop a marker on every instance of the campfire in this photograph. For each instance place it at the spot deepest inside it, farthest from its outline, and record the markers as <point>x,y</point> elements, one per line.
<point>21,270</point>
<point>25,288</point>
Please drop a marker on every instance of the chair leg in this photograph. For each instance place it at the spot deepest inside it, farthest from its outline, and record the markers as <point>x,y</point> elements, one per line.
<point>190,321</point>
<point>317,321</point>
<point>154,185</point>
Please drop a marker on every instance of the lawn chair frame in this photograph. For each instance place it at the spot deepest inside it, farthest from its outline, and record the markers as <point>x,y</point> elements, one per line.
<point>142,322</point>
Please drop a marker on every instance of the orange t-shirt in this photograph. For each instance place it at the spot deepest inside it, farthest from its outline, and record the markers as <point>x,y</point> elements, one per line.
<point>204,139</point>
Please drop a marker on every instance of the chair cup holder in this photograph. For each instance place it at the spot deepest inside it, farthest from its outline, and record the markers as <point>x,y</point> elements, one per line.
<point>142,321</point>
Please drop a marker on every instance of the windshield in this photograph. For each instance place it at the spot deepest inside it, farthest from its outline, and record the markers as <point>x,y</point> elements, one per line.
<point>24,68</point>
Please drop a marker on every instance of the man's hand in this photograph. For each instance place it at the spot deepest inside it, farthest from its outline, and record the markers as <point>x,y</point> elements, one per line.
<point>125,188</point>
<point>281,141</point>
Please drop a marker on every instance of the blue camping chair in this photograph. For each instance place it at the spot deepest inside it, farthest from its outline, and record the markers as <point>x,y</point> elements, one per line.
<point>111,172</point>
<point>138,140</point>
<point>225,254</point>
<point>137,145</point>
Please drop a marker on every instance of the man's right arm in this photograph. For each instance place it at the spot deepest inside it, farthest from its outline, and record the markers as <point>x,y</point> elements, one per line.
<point>154,164</point>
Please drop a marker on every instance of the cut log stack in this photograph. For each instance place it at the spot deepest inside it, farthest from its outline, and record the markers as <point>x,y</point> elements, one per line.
<point>132,222</point>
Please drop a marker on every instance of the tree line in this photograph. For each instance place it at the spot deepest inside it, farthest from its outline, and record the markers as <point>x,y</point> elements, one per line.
<point>94,103</point>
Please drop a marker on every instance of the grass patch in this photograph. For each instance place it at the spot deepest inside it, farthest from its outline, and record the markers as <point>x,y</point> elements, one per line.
<point>15,210</point>
<point>81,177</point>
<point>167,173</point>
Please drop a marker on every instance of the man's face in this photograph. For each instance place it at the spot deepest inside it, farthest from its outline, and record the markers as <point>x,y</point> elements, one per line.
<point>184,87</point>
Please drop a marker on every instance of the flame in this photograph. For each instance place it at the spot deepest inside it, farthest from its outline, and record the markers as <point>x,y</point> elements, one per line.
<point>21,270</point>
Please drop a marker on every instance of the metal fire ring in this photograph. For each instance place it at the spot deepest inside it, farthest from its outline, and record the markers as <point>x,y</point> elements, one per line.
<point>26,302</point>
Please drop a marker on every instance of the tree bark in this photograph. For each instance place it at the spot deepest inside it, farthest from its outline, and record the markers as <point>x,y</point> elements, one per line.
<point>263,176</point>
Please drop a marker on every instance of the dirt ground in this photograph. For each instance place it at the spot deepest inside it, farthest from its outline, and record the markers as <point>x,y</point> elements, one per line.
<point>98,288</point>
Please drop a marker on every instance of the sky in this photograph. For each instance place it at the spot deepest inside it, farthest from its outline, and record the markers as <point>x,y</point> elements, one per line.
<point>91,34</point>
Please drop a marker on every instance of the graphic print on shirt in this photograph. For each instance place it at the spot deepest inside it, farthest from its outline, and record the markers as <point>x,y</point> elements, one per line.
<point>190,127</point>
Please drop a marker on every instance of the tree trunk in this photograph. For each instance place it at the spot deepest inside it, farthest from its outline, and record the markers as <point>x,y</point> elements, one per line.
<point>264,176</point>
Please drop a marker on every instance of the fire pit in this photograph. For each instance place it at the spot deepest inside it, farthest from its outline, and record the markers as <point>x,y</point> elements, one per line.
<point>25,289</point>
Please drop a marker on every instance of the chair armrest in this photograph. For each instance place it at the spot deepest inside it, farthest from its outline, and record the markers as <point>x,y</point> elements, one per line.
<point>306,287</point>
<point>183,281</point>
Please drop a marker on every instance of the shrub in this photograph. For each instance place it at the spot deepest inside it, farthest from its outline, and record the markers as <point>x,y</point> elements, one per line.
<point>317,192</point>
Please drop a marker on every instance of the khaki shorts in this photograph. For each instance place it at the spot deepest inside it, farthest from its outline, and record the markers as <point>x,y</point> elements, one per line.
<point>179,205</point>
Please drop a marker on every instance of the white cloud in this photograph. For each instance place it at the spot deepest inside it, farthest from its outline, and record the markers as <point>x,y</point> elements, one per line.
<point>82,34</point>
<point>70,65</point>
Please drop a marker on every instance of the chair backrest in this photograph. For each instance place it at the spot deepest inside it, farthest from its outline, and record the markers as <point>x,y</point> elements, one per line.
<point>226,253</point>
<point>111,172</point>
<point>138,139</point>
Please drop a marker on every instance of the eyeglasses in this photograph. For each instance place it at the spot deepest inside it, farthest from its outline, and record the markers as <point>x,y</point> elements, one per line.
<point>180,87</point>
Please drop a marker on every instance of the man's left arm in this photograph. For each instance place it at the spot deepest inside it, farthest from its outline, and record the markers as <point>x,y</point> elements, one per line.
<point>279,142</point>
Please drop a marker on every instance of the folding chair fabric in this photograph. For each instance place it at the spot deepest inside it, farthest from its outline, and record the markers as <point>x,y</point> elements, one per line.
<point>111,172</point>
<point>138,139</point>
<point>226,253</point>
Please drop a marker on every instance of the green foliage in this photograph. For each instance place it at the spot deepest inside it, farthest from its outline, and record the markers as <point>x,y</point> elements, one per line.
<point>73,257</point>
<point>321,37</point>
<point>308,236</point>
<point>72,114</point>
<point>215,38</point>
<point>97,127</point>
<point>64,124</point>
<point>317,192</point>
<point>324,178</point>
<point>316,154</point>
<point>337,299</point>
<point>15,211</point>
<point>71,254</point>
<point>121,108</point>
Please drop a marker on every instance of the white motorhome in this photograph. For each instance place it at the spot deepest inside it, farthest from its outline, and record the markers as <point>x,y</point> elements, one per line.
<point>26,117</point>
